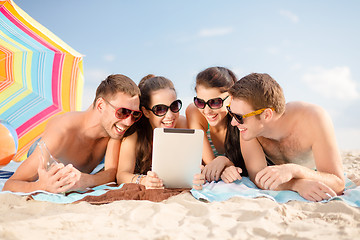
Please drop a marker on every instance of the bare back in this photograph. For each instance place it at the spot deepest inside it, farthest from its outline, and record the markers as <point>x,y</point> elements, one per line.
<point>302,126</point>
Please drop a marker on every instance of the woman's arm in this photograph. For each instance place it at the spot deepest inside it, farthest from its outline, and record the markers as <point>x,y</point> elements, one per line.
<point>126,166</point>
<point>214,166</point>
<point>195,120</point>
<point>127,160</point>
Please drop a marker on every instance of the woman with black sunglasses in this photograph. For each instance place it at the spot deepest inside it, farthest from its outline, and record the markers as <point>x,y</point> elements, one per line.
<point>208,112</point>
<point>160,108</point>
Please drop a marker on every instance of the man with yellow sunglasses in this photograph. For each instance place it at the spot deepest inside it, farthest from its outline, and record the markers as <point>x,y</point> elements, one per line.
<point>297,137</point>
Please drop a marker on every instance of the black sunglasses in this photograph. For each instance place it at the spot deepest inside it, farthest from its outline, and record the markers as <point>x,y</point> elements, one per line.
<point>123,113</point>
<point>214,103</point>
<point>161,109</point>
<point>240,118</point>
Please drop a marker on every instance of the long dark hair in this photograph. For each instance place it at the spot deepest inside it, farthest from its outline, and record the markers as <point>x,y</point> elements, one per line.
<point>147,85</point>
<point>223,79</point>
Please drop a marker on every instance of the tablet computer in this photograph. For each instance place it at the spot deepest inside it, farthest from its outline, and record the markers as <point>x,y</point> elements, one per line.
<point>177,155</point>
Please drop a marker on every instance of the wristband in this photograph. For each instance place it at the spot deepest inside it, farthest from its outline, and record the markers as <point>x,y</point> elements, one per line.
<point>138,179</point>
<point>134,177</point>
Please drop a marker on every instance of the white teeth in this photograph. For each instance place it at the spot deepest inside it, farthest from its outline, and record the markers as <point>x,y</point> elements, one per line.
<point>168,122</point>
<point>211,116</point>
<point>241,129</point>
<point>120,129</point>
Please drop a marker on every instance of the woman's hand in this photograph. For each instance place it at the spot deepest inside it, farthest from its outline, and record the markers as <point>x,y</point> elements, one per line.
<point>231,174</point>
<point>151,181</point>
<point>213,170</point>
<point>199,180</point>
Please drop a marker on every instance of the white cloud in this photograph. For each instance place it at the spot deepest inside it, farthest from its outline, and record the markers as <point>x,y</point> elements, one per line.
<point>109,57</point>
<point>290,15</point>
<point>212,32</point>
<point>332,83</point>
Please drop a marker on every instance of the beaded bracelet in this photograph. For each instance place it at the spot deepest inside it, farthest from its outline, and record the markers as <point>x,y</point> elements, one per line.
<point>134,177</point>
<point>138,179</point>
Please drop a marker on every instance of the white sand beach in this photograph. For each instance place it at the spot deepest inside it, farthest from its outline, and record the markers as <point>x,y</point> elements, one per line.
<point>182,217</point>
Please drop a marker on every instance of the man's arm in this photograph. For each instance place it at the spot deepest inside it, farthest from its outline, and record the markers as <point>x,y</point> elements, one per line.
<point>32,175</point>
<point>326,153</point>
<point>109,172</point>
<point>327,159</point>
<point>254,157</point>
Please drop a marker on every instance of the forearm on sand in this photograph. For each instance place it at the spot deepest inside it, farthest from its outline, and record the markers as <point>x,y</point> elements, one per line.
<point>333,181</point>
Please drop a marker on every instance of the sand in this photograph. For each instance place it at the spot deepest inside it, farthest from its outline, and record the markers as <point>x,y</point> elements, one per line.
<point>182,217</point>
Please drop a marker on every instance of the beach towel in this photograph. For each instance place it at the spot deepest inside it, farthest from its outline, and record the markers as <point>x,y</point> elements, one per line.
<point>214,191</point>
<point>109,193</point>
<point>221,191</point>
<point>97,195</point>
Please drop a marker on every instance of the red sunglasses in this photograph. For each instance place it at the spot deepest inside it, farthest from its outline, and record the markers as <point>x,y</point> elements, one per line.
<point>123,113</point>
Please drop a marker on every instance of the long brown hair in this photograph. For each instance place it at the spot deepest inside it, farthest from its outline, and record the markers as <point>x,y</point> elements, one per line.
<point>223,79</point>
<point>147,85</point>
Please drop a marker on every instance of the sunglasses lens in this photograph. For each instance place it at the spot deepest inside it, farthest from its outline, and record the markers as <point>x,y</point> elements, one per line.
<point>237,117</point>
<point>137,115</point>
<point>123,113</point>
<point>159,110</point>
<point>199,103</point>
<point>176,106</point>
<point>215,103</point>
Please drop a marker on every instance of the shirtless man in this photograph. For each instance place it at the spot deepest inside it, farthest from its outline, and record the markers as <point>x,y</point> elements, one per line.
<point>297,137</point>
<point>79,140</point>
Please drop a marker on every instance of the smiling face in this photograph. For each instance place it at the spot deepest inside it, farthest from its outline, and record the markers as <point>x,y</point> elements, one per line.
<point>215,117</point>
<point>166,97</point>
<point>113,126</point>
<point>252,126</point>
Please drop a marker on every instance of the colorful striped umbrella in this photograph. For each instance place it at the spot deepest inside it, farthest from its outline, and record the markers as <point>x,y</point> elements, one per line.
<point>40,75</point>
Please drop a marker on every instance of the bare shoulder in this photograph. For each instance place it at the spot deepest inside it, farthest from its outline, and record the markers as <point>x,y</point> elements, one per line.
<point>129,140</point>
<point>63,123</point>
<point>62,128</point>
<point>310,120</point>
<point>181,122</point>
<point>309,112</point>
<point>195,119</point>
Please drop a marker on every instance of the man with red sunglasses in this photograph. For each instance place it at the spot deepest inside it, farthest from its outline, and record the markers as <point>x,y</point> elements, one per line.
<point>297,137</point>
<point>78,141</point>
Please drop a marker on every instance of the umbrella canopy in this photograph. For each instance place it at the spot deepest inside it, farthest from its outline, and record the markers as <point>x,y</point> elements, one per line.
<point>40,75</point>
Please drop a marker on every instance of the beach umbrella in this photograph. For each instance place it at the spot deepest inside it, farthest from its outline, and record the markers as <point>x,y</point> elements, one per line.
<point>40,75</point>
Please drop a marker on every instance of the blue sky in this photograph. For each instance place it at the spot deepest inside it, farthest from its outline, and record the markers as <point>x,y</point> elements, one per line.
<point>310,47</point>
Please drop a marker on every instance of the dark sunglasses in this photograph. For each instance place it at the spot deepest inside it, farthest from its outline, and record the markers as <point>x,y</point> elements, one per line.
<point>123,113</point>
<point>161,109</point>
<point>213,103</point>
<point>240,118</point>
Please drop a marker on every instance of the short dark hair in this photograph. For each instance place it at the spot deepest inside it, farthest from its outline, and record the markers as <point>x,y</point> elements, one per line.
<point>260,90</point>
<point>116,83</point>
